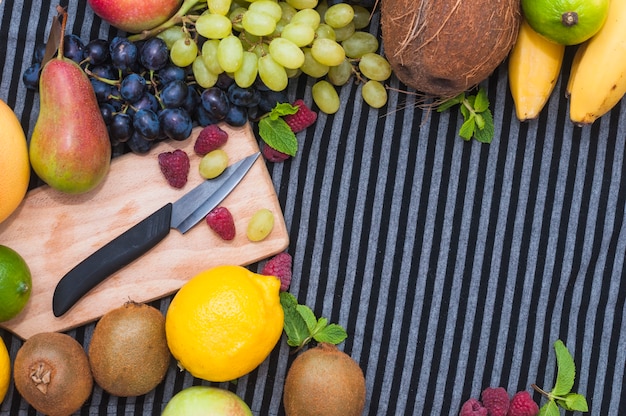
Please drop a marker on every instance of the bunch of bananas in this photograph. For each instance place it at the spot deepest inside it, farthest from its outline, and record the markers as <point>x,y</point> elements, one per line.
<point>597,79</point>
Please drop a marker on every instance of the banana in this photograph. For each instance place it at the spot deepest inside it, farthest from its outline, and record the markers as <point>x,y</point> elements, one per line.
<point>534,68</point>
<point>598,76</point>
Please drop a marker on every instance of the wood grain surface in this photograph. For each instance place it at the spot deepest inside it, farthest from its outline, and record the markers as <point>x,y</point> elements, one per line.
<point>54,231</point>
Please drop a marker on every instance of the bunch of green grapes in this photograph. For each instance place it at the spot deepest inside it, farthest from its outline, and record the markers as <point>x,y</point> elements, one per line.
<point>278,40</point>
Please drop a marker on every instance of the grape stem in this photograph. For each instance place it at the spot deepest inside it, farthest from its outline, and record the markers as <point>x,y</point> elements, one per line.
<point>175,19</point>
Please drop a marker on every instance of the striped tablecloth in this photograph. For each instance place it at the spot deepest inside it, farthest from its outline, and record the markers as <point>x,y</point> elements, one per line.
<point>453,265</point>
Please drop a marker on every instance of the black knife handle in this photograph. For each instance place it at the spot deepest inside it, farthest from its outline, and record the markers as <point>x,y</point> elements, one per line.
<point>110,258</point>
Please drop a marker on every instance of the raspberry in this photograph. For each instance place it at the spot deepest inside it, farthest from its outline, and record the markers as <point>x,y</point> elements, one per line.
<point>302,119</point>
<point>175,167</point>
<point>273,155</point>
<point>473,407</point>
<point>221,221</point>
<point>279,266</point>
<point>496,401</point>
<point>522,404</point>
<point>210,138</point>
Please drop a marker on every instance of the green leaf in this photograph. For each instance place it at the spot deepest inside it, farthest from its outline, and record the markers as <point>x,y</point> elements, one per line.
<point>480,121</point>
<point>294,325</point>
<point>451,102</point>
<point>549,409</point>
<point>321,324</point>
<point>332,334</point>
<point>574,402</point>
<point>277,134</point>
<point>467,129</point>
<point>481,101</point>
<point>308,316</point>
<point>566,370</point>
<point>485,134</point>
<point>282,109</point>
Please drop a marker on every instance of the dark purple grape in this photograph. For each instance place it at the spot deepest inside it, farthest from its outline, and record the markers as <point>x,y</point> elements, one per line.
<point>192,100</point>
<point>73,47</point>
<point>139,144</point>
<point>147,102</point>
<point>30,77</point>
<point>215,102</point>
<point>270,98</point>
<point>107,111</point>
<point>245,97</point>
<point>175,123</point>
<point>102,89</point>
<point>96,51</point>
<point>40,52</point>
<point>237,116</point>
<point>174,94</point>
<point>154,54</point>
<point>121,128</point>
<point>170,73</point>
<point>104,71</point>
<point>133,86</point>
<point>123,53</point>
<point>202,117</point>
<point>146,123</point>
<point>224,81</point>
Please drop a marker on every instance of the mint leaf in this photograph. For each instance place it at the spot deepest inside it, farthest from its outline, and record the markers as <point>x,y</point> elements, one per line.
<point>566,370</point>
<point>294,325</point>
<point>332,334</point>
<point>277,134</point>
<point>282,109</point>
<point>549,409</point>
<point>308,316</point>
<point>574,402</point>
<point>481,102</point>
<point>485,133</point>
<point>477,118</point>
<point>468,128</point>
<point>451,102</point>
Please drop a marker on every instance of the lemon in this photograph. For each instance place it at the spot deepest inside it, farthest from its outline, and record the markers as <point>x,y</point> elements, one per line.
<point>15,283</point>
<point>5,370</point>
<point>15,172</point>
<point>224,322</point>
<point>567,22</point>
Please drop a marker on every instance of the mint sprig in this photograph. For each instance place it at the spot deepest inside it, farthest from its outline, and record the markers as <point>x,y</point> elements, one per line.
<point>275,131</point>
<point>478,120</point>
<point>561,394</point>
<point>301,325</point>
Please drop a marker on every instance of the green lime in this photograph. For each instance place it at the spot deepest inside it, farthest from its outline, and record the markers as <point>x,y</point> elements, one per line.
<point>15,283</point>
<point>568,22</point>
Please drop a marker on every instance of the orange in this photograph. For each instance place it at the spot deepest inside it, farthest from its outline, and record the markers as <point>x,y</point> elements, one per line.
<point>15,283</point>
<point>224,322</point>
<point>15,172</point>
<point>5,370</point>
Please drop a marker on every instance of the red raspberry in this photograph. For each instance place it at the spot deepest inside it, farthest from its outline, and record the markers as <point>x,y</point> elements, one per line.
<point>279,266</point>
<point>522,404</point>
<point>221,221</point>
<point>473,407</point>
<point>273,155</point>
<point>175,167</point>
<point>496,401</point>
<point>302,119</point>
<point>210,138</point>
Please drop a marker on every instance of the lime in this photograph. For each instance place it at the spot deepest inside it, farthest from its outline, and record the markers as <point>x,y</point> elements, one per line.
<point>568,22</point>
<point>15,283</point>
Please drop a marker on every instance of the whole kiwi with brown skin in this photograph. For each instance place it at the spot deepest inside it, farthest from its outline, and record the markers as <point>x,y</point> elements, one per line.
<point>51,372</point>
<point>324,381</point>
<point>128,350</point>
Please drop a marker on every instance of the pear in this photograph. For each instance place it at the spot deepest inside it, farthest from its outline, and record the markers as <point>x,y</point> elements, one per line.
<point>69,148</point>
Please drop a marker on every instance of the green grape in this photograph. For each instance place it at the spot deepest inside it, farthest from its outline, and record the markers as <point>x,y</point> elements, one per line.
<point>339,15</point>
<point>272,73</point>
<point>325,96</point>
<point>201,73</point>
<point>209,56</point>
<point>183,52</point>
<point>293,73</point>
<point>259,24</point>
<point>345,32</point>
<point>213,164</point>
<point>298,33</point>
<point>374,94</point>
<point>219,6</point>
<point>324,31</point>
<point>230,53</point>
<point>214,26</point>
<point>260,225</point>
<point>288,11</point>
<point>361,17</point>
<point>374,67</point>
<point>307,16</point>
<point>171,35</point>
<point>359,44</point>
<point>268,7</point>
<point>340,74</point>
<point>286,53</point>
<point>235,16</point>
<point>247,72</point>
<point>327,52</point>
<point>302,4</point>
<point>311,67</point>
<point>321,8</point>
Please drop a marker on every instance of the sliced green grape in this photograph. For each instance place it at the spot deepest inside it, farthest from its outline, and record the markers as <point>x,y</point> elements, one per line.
<point>201,73</point>
<point>374,94</point>
<point>362,17</point>
<point>209,56</point>
<point>311,67</point>
<point>268,7</point>
<point>298,33</point>
<point>328,52</point>
<point>213,164</point>
<point>360,43</point>
<point>171,35</point>
<point>214,26</point>
<point>272,73</point>
<point>340,74</point>
<point>324,31</point>
<point>302,4</point>
<point>343,33</point>
<point>259,24</point>
<point>230,53</point>
<point>325,96</point>
<point>374,67</point>
<point>307,16</point>
<point>260,225</point>
<point>221,7</point>
<point>183,52</point>
<point>339,15</point>
<point>247,72</point>
<point>286,53</point>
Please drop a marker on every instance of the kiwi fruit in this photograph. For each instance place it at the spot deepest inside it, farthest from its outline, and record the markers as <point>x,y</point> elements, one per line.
<point>324,381</point>
<point>128,350</point>
<point>51,372</point>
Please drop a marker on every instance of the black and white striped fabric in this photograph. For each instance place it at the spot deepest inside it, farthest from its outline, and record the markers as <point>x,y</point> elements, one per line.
<point>453,265</point>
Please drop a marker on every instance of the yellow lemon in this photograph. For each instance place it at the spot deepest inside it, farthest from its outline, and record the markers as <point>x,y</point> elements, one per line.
<point>15,172</point>
<point>5,370</point>
<point>15,283</point>
<point>224,322</point>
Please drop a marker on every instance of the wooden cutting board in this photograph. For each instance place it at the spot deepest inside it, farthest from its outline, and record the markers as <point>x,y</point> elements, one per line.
<point>54,231</point>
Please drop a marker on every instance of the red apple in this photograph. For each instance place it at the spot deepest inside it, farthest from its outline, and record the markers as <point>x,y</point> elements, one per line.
<point>134,16</point>
<point>205,400</point>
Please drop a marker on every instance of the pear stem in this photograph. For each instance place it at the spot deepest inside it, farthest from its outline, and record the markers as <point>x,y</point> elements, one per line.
<point>63,15</point>
<point>176,18</point>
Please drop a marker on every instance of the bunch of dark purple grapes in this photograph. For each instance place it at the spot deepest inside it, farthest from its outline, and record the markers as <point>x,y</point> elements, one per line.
<point>144,98</point>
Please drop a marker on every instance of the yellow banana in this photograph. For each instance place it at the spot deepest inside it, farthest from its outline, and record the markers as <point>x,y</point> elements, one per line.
<point>534,68</point>
<point>598,76</point>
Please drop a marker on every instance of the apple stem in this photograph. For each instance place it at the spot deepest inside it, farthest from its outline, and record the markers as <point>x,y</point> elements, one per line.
<point>176,18</point>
